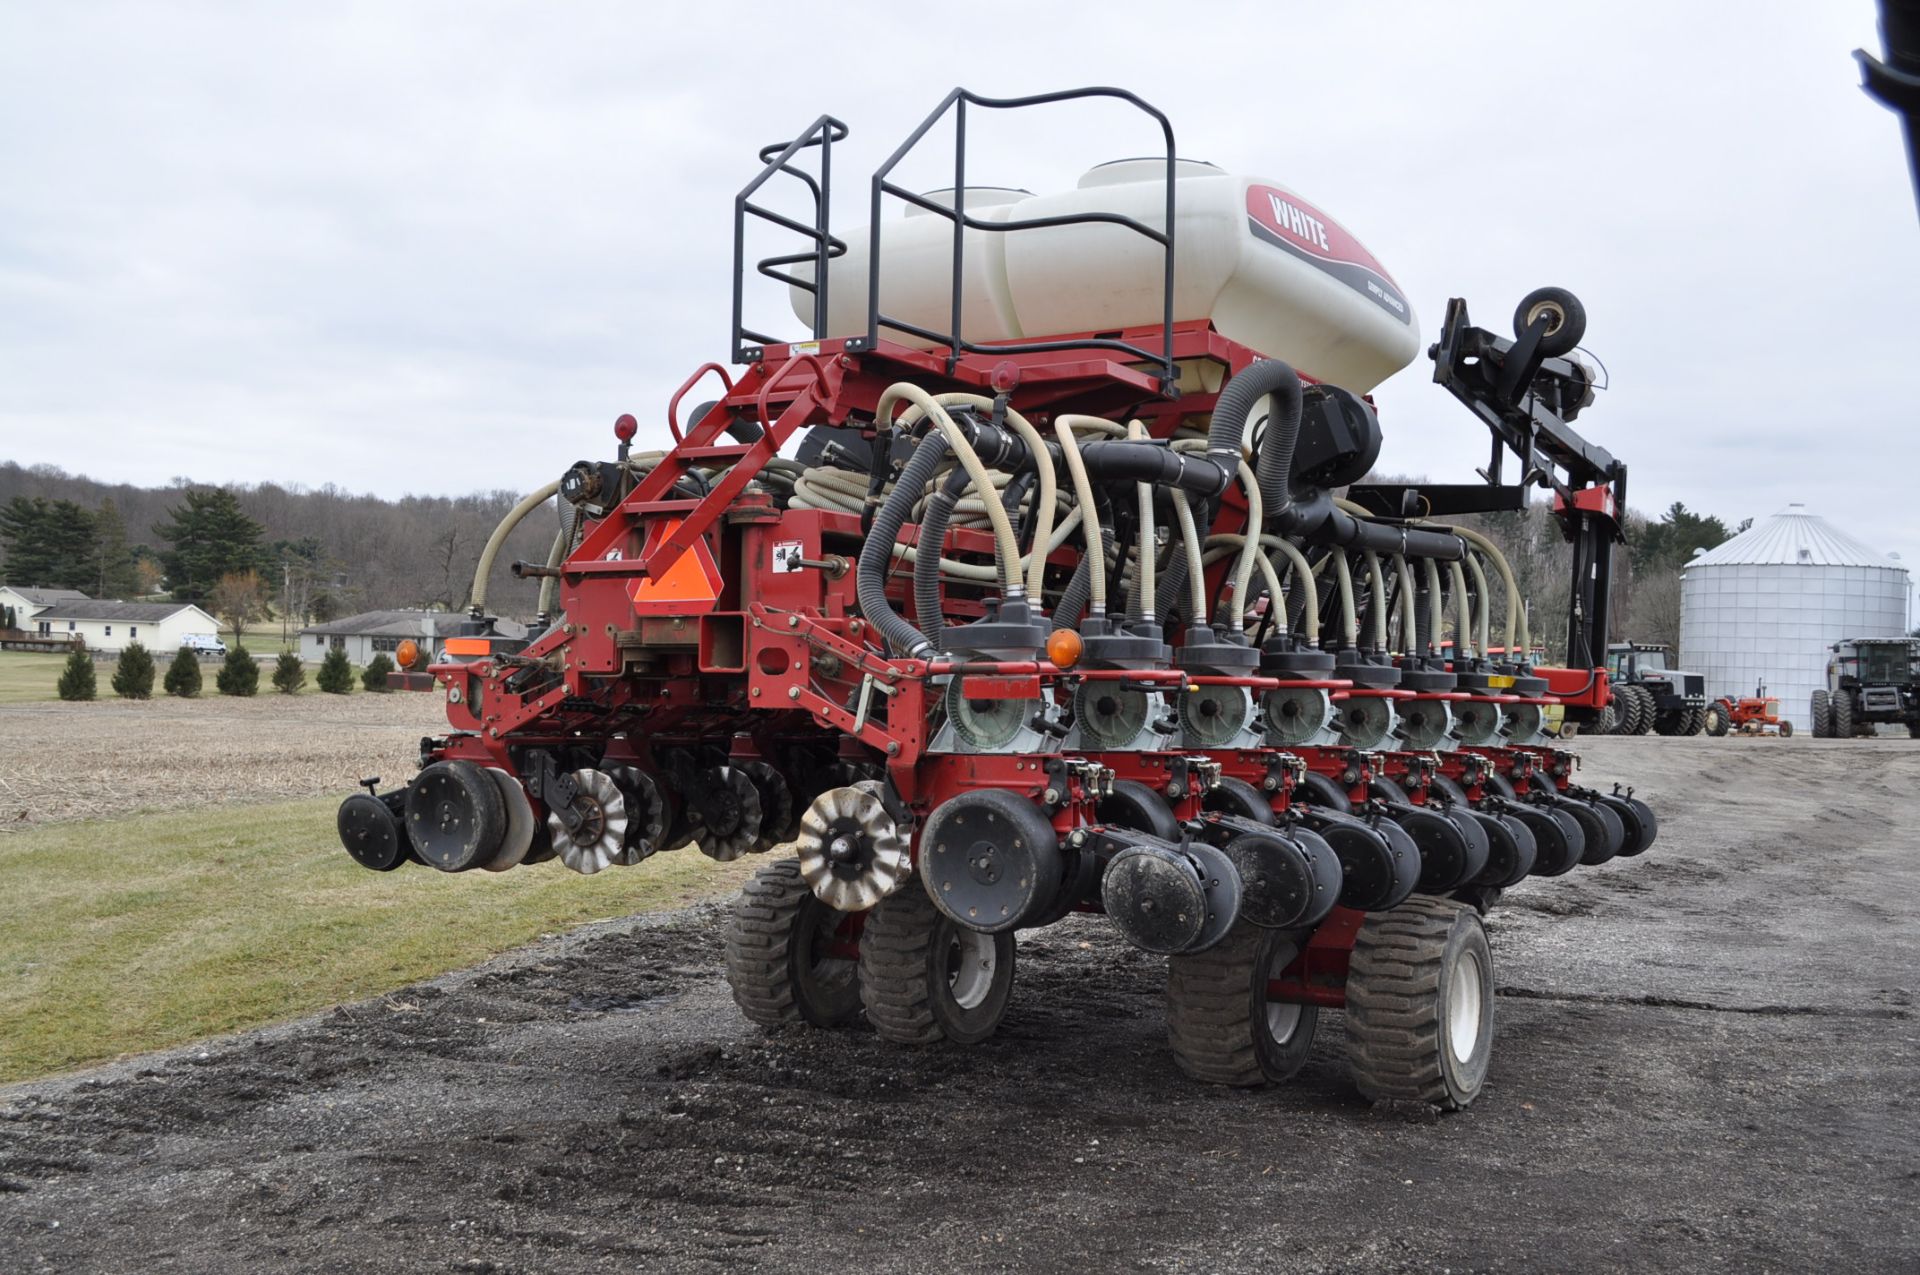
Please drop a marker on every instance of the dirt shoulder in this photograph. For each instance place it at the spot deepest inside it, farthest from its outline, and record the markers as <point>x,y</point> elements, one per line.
<point>1706,1057</point>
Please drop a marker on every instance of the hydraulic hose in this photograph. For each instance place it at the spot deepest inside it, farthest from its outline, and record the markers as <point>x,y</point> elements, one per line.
<point>1376,599</point>
<point>1433,607</point>
<point>1009,548</point>
<point>927,609</point>
<point>1043,467</point>
<point>477,599</point>
<point>1483,611</point>
<point>1349,620</point>
<point>1516,606</point>
<point>876,555</point>
<point>1462,615</point>
<point>1145,585</point>
<point>1409,615</point>
<point>1231,411</point>
<point>1095,558</point>
<point>1196,572</point>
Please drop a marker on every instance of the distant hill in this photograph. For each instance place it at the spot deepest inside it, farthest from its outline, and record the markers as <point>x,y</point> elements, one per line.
<point>412,552</point>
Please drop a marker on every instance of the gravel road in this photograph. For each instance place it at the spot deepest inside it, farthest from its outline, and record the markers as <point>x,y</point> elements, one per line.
<point>1706,1058</point>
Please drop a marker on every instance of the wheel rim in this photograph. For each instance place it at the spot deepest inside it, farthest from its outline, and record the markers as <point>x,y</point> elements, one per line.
<point>822,975</point>
<point>1283,1017</point>
<point>1463,1007</point>
<point>971,961</point>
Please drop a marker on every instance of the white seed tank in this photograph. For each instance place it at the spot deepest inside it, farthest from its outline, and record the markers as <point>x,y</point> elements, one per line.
<point>1269,269</point>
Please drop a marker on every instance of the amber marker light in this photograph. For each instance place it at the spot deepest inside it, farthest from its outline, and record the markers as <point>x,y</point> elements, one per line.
<point>406,654</point>
<point>1063,648</point>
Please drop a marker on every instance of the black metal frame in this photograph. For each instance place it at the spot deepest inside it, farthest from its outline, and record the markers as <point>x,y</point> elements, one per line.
<point>958,101</point>
<point>1523,398</point>
<point>778,158</point>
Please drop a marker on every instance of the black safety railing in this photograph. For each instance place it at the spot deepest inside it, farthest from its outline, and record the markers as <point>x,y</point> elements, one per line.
<point>955,339</point>
<point>823,247</point>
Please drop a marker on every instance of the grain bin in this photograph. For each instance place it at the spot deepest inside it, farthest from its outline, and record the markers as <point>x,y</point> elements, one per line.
<point>1764,607</point>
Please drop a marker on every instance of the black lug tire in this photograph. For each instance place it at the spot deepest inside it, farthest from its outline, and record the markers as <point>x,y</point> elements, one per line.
<point>1913,730</point>
<point>770,943</point>
<point>1717,721</point>
<point>1605,724</point>
<point>1842,707</point>
<point>1786,729</point>
<point>1822,715</point>
<point>1645,697</point>
<point>904,980</point>
<point>1696,720</point>
<point>1400,996</point>
<point>1572,322</point>
<point>1217,1011</point>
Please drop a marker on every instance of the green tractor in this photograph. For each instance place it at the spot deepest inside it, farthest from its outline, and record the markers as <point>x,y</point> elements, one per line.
<point>1649,696</point>
<point>1869,681</point>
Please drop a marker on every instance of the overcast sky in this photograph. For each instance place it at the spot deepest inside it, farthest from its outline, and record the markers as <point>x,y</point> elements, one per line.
<point>415,247</point>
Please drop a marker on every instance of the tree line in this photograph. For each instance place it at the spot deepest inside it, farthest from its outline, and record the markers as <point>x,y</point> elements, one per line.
<point>313,553</point>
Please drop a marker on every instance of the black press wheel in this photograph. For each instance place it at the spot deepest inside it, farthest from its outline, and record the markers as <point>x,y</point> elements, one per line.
<point>456,817</point>
<point>781,962</point>
<point>1822,715</point>
<point>1223,1026</point>
<point>925,978</point>
<point>1565,317</point>
<point>1420,1004</point>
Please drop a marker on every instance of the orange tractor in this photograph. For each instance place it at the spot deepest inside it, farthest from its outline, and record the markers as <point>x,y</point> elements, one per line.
<point>1756,714</point>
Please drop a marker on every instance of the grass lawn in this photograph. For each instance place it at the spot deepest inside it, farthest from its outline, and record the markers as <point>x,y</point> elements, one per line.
<point>26,676</point>
<point>124,935</point>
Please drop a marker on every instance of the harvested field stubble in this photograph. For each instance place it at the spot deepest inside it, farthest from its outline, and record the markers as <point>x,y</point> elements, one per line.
<point>114,757</point>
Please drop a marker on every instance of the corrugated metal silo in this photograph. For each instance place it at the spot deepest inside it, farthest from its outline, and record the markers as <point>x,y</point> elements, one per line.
<point>1764,607</point>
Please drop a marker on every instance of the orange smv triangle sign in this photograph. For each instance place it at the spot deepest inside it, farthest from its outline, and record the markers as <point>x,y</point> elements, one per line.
<point>690,585</point>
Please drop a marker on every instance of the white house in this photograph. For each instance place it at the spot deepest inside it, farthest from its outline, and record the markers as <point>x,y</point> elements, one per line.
<point>112,626</point>
<point>27,603</point>
<point>374,632</point>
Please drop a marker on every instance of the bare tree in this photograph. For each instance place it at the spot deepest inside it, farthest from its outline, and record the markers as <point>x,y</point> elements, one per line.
<point>240,596</point>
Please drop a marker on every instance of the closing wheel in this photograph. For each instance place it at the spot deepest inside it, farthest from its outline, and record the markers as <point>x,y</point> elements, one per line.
<point>731,816</point>
<point>1557,843</point>
<point>1238,797</point>
<point>456,817</point>
<point>990,860</point>
<point>600,839</point>
<point>1632,837</point>
<point>648,813</point>
<point>924,978</point>
<point>1420,1004</point>
<point>1320,790</point>
<point>782,962</point>
<point>1155,897</point>
<point>1596,848</point>
<point>1222,1022</point>
<point>852,854</point>
<point>518,838</point>
<point>370,833</point>
<point>1131,804</point>
<point>779,818</point>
